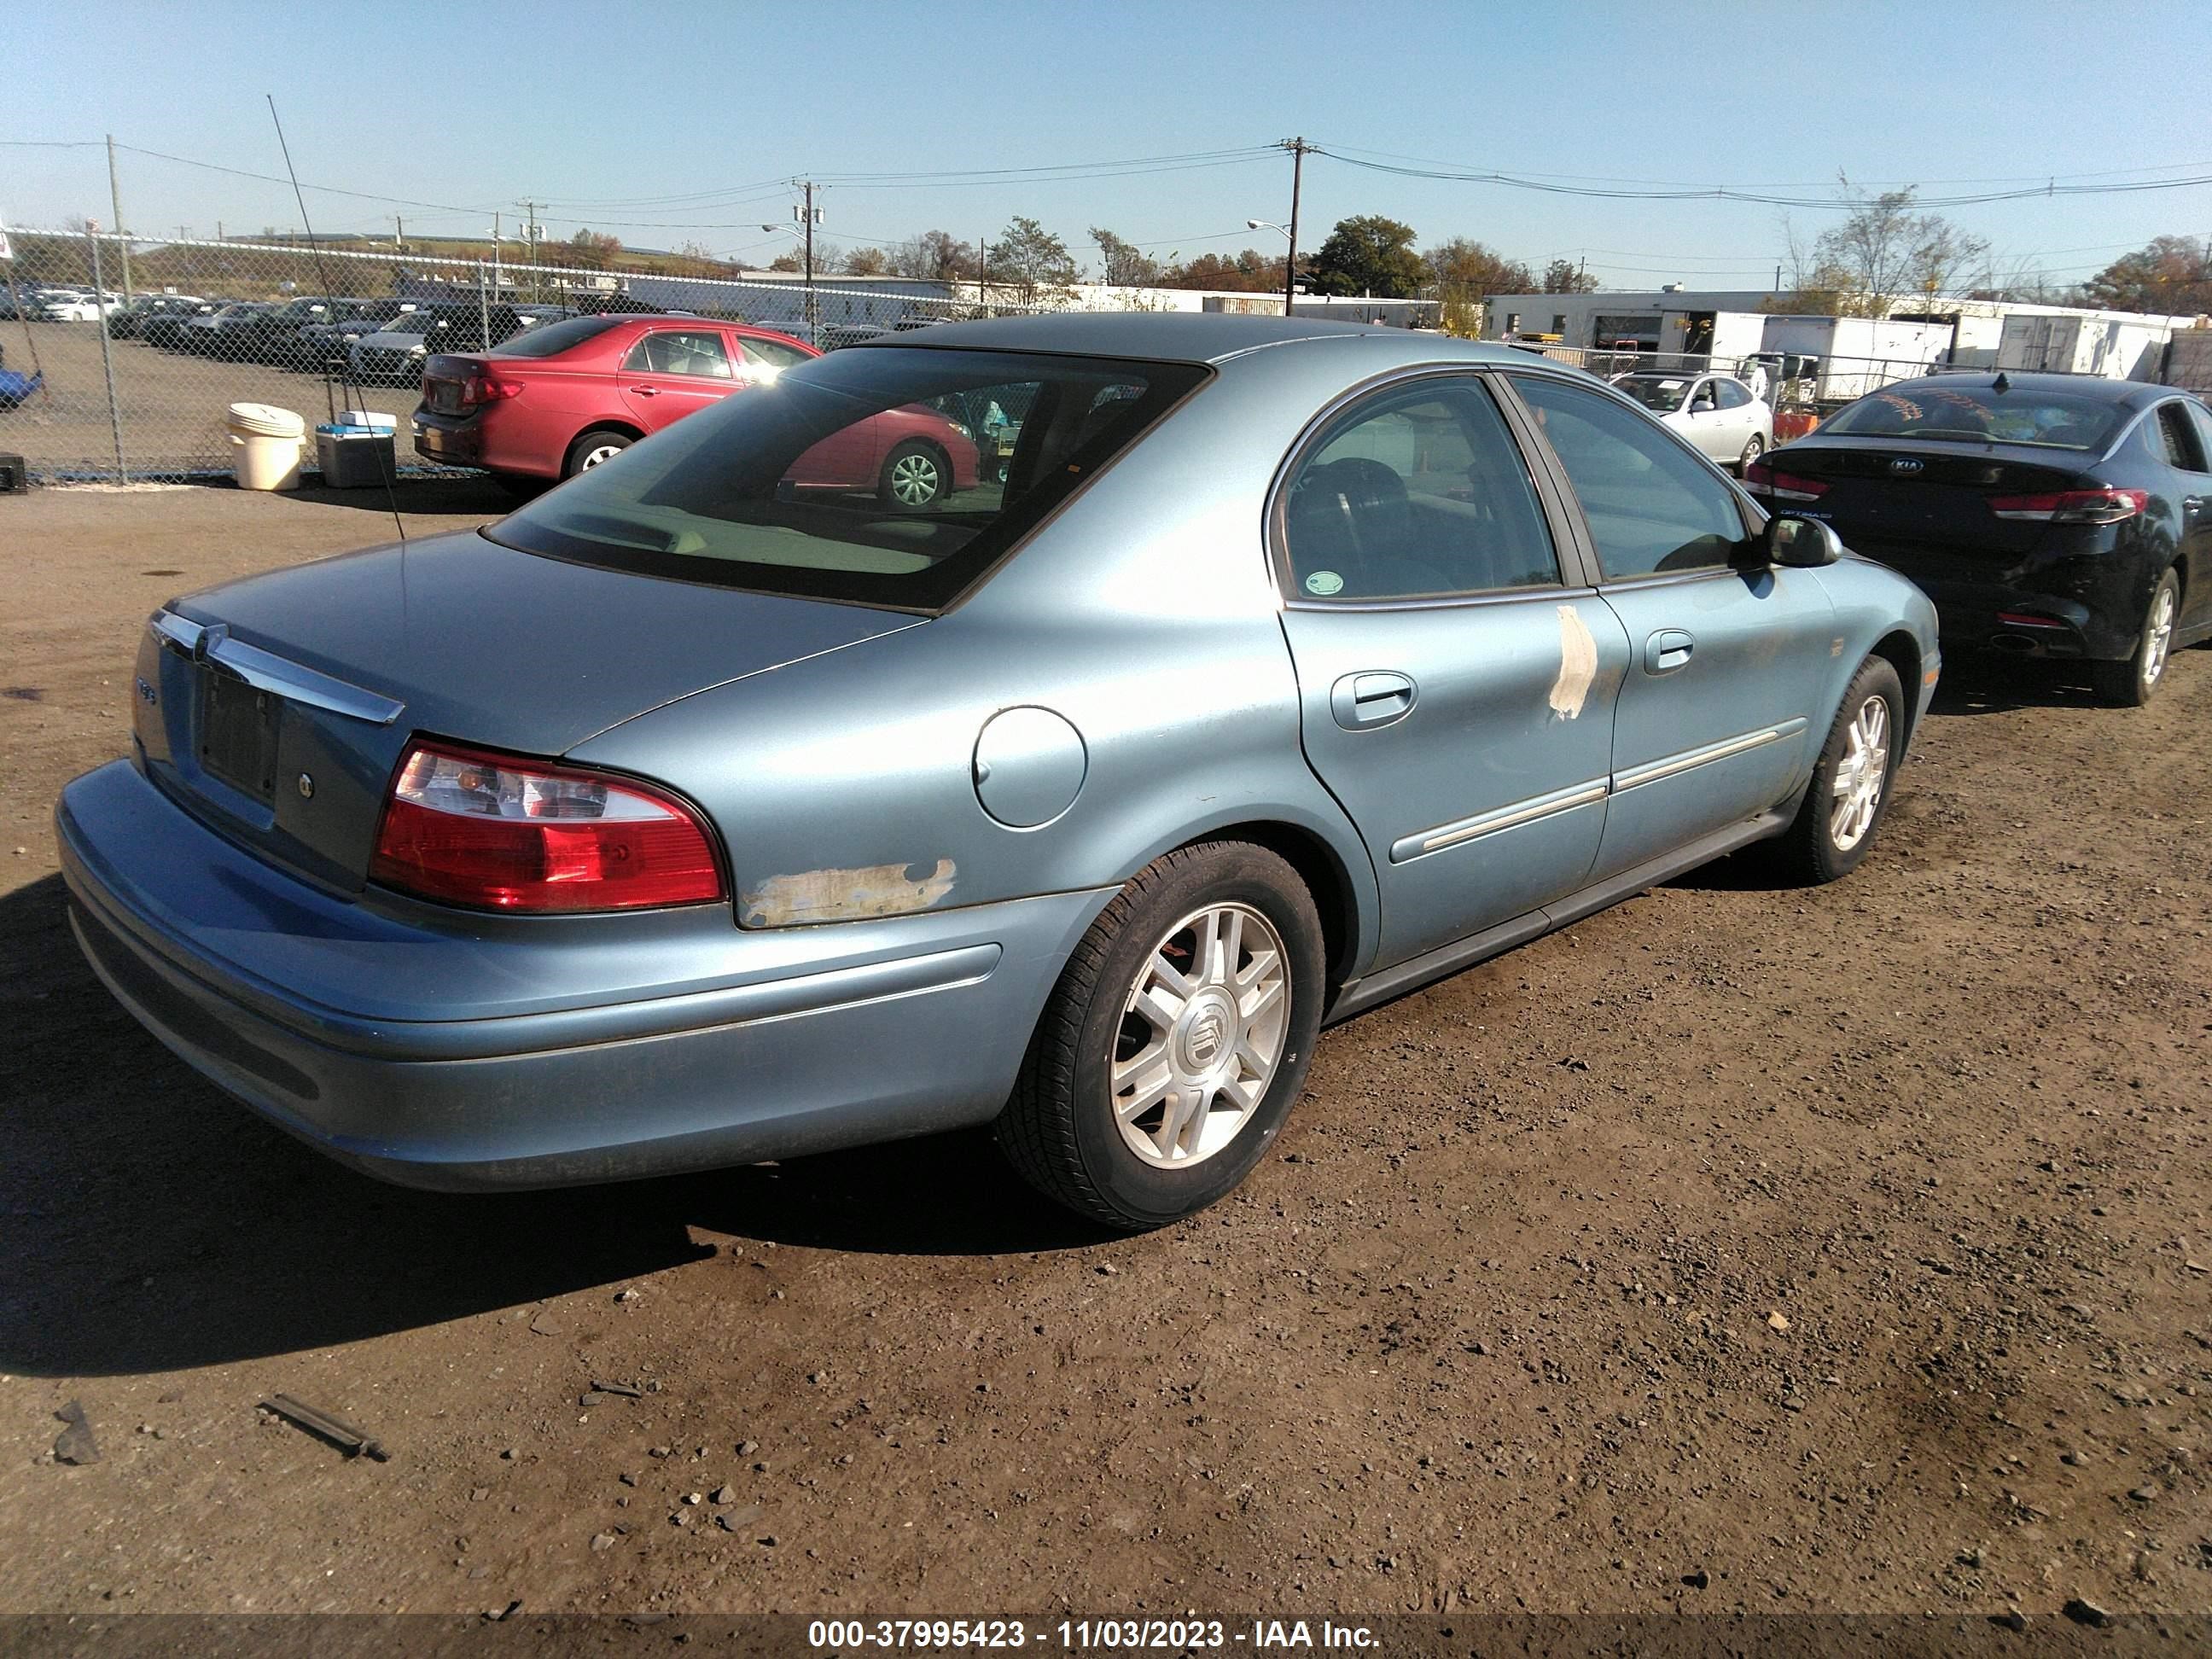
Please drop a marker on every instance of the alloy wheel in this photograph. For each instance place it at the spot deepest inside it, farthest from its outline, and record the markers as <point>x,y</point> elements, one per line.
<point>1201,1035</point>
<point>1860,775</point>
<point>602,453</point>
<point>2158,635</point>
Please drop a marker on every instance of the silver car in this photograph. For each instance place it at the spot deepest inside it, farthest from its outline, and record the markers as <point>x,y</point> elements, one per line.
<point>704,811</point>
<point>1722,418</point>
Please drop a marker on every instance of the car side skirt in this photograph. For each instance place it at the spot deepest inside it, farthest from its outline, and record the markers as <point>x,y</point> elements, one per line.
<point>1357,996</point>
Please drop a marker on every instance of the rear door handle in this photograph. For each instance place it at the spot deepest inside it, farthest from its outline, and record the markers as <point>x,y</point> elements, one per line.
<point>1370,698</point>
<point>1668,650</point>
<point>646,391</point>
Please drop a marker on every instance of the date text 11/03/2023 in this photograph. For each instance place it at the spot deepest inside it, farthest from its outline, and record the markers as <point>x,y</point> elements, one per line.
<point>1083,1635</point>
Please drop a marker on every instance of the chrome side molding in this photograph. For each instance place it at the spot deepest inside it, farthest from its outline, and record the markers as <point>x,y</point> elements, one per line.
<point>265,671</point>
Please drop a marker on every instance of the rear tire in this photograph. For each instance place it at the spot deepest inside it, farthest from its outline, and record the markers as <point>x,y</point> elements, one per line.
<point>2132,684</point>
<point>1850,792</point>
<point>1150,1091</point>
<point>601,444</point>
<point>1751,450</point>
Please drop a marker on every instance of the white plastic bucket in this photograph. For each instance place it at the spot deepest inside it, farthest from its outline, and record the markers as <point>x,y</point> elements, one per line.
<point>269,443</point>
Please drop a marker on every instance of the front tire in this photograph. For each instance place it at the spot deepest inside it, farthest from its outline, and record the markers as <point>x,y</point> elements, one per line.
<point>1179,1034</point>
<point>2132,684</point>
<point>1851,781</point>
<point>917,476</point>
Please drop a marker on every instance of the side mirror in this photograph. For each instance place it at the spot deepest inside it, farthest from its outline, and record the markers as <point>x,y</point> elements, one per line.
<point>1801,543</point>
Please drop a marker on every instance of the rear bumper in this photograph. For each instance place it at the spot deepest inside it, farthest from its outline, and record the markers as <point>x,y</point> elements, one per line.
<point>449,440</point>
<point>2088,604</point>
<point>797,1041</point>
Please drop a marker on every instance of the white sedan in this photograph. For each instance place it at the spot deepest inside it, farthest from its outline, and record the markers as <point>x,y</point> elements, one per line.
<point>79,308</point>
<point>1718,414</point>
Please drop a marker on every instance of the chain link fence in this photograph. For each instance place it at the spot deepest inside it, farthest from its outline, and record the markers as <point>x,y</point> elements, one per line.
<point>120,358</point>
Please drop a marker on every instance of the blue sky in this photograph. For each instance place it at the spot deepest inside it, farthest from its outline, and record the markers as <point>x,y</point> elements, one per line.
<point>478,106</point>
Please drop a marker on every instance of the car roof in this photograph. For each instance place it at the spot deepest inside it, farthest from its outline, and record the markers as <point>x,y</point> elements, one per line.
<point>1192,336</point>
<point>2129,394</point>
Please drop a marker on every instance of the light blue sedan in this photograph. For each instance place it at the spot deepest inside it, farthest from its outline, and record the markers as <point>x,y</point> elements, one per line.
<point>696,815</point>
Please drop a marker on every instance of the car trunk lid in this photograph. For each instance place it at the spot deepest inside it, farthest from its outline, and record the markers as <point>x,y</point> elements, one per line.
<point>1888,498</point>
<point>277,707</point>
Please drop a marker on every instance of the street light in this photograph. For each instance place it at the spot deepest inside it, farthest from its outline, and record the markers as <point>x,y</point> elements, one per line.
<point>1290,259</point>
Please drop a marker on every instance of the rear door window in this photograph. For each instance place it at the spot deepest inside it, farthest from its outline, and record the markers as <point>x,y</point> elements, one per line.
<point>774,354</point>
<point>2173,438</point>
<point>1734,393</point>
<point>1416,493</point>
<point>693,351</point>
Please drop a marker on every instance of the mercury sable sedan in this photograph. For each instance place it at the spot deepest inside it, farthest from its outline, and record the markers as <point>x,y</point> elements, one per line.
<point>686,818</point>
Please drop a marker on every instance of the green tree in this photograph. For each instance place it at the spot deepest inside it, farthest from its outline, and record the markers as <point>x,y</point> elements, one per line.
<point>1032,261</point>
<point>866,262</point>
<point>1123,263</point>
<point>2170,273</point>
<point>1369,254</point>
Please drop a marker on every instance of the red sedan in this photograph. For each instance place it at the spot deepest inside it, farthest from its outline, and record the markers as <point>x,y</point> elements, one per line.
<point>549,404</point>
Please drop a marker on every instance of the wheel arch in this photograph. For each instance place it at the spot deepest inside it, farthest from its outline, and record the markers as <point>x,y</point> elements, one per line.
<point>1318,865</point>
<point>627,427</point>
<point>1902,651</point>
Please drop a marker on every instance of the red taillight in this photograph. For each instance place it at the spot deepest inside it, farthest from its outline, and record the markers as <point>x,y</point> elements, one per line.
<point>2073,505</point>
<point>497,832</point>
<point>480,388</point>
<point>1762,479</point>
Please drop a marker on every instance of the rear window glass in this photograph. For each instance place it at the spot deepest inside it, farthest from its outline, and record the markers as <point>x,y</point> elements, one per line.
<point>1662,392</point>
<point>884,477</point>
<point>1980,414</point>
<point>558,337</point>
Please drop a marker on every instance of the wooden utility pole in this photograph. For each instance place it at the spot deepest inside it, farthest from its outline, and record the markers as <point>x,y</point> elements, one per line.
<point>807,216</point>
<point>115,205</point>
<point>1298,149</point>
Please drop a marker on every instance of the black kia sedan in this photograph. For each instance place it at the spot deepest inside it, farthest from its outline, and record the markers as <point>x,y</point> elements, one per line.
<point>2047,515</point>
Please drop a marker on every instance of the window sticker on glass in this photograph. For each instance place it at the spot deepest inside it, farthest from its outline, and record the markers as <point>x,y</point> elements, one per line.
<point>1324,583</point>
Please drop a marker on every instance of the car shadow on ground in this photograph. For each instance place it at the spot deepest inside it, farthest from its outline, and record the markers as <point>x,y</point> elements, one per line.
<point>151,1223</point>
<point>474,497</point>
<point>1984,682</point>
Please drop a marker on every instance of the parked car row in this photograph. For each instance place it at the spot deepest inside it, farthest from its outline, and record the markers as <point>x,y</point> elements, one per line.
<point>366,341</point>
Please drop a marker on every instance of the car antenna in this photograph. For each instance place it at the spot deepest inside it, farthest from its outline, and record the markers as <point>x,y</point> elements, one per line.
<point>2001,384</point>
<point>323,276</point>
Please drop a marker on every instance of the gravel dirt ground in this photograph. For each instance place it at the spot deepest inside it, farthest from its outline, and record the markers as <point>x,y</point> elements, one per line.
<point>1740,1249</point>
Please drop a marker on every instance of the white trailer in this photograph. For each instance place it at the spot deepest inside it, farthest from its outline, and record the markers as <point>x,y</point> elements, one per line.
<point>2118,349</point>
<point>1841,358</point>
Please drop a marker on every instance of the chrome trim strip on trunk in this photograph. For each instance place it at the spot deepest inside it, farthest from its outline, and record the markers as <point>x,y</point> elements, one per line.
<point>1505,817</point>
<point>265,671</point>
<point>1695,757</point>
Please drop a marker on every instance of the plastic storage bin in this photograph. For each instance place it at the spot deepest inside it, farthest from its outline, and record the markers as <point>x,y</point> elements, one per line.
<point>267,442</point>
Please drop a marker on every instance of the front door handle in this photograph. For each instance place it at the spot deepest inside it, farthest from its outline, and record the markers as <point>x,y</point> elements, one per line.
<point>1668,650</point>
<point>2191,505</point>
<point>1373,697</point>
